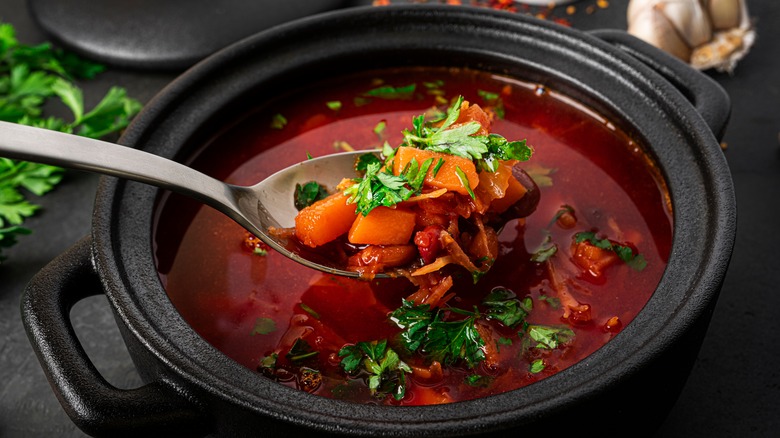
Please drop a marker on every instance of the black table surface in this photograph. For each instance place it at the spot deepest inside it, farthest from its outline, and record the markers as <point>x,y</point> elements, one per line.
<point>734,387</point>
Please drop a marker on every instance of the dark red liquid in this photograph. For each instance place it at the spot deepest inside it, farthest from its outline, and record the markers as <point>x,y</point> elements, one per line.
<point>221,288</point>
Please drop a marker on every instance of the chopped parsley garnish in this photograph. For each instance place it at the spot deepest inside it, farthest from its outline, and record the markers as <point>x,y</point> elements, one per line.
<point>30,77</point>
<point>494,101</point>
<point>502,304</point>
<point>391,93</point>
<point>379,129</point>
<point>309,310</point>
<point>541,175</point>
<point>478,381</point>
<point>425,331</point>
<point>382,188</point>
<point>550,337</point>
<point>625,253</point>
<point>307,194</point>
<point>278,121</point>
<point>545,251</point>
<point>464,180</point>
<point>301,350</point>
<point>537,366</point>
<point>387,372</point>
<point>264,326</point>
<point>267,365</point>
<point>548,248</point>
<point>444,341</point>
<point>335,105</point>
<point>414,320</point>
<point>364,160</point>
<point>461,141</point>
<point>553,302</point>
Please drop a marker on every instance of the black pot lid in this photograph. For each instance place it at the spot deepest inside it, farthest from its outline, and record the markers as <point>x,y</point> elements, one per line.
<point>163,34</point>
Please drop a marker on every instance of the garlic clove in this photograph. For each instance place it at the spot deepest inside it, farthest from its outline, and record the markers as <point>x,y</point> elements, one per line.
<point>652,25</point>
<point>704,33</point>
<point>724,14</point>
<point>689,18</point>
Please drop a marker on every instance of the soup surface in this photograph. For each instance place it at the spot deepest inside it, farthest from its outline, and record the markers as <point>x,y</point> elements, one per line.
<point>567,278</point>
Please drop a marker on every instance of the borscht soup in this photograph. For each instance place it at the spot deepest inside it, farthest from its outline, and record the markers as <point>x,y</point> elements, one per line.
<point>565,279</point>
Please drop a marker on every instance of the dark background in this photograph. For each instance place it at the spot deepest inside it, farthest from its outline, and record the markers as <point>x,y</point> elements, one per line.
<point>733,390</point>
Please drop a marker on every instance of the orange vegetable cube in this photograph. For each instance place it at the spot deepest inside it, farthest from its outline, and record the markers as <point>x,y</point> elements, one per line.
<point>325,220</point>
<point>383,226</point>
<point>446,177</point>
<point>514,191</point>
<point>473,113</point>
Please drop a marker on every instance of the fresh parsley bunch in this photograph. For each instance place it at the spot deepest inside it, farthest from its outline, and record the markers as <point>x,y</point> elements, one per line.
<point>29,77</point>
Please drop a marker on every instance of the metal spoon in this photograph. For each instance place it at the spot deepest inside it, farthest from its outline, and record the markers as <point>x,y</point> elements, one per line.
<point>269,203</point>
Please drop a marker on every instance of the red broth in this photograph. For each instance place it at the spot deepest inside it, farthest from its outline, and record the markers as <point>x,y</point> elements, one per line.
<point>254,307</point>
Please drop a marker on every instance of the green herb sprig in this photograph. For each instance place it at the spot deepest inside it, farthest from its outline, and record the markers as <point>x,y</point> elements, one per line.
<point>387,372</point>
<point>625,253</point>
<point>382,188</point>
<point>29,77</point>
<point>460,140</point>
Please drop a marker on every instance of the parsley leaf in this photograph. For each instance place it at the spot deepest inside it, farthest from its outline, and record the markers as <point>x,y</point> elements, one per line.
<point>414,320</point>
<point>461,141</point>
<point>29,77</point>
<point>387,372</point>
<point>263,326</point>
<point>390,93</point>
<point>502,305</point>
<point>624,252</point>
<point>382,188</point>
<point>550,337</point>
<point>307,194</point>
<point>444,341</point>
<point>449,341</point>
<point>537,366</point>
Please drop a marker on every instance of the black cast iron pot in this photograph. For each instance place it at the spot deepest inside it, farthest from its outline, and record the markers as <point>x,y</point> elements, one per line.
<point>192,389</point>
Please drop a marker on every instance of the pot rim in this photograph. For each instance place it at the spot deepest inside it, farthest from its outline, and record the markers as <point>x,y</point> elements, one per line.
<point>697,176</point>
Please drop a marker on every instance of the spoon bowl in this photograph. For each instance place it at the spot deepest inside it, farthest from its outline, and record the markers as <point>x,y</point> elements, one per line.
<point>269,203</point>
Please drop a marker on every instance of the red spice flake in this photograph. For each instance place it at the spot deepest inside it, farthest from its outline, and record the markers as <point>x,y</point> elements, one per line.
<point>541,12</point>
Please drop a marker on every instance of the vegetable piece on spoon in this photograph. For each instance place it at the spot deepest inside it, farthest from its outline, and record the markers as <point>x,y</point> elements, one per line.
<point>432,205</point>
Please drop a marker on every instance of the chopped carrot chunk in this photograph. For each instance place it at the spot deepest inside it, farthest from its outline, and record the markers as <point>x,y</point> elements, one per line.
<point>514,191</point>
<point>325,220</point>
<point>447,176</point>
<point>593,259</point>
<point>383,226</point>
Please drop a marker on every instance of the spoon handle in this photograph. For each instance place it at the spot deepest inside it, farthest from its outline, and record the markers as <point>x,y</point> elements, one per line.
<point>81,153</point>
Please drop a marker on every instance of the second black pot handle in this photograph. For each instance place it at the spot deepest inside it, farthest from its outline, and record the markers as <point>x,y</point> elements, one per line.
<point>706,95</point>
<point>97,407</point>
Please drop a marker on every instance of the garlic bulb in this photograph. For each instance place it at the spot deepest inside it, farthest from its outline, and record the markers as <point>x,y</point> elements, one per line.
<point>704,33</point>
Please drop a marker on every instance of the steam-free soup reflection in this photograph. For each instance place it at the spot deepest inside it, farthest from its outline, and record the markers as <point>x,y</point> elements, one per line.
<point>565,279</point>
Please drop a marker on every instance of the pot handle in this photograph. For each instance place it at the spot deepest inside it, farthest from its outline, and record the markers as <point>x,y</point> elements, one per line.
<point>93,404</point>
<point>706,95</point>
